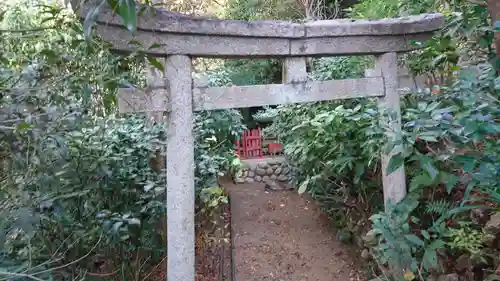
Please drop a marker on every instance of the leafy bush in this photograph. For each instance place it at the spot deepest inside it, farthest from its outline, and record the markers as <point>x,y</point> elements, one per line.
<point>82,194</point>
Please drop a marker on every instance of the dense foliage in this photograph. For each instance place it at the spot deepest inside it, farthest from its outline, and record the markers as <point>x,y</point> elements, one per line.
<point>449,147</point>
<point>82,188</point>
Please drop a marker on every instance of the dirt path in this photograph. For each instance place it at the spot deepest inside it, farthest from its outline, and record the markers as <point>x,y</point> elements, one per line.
<point>281,236</point>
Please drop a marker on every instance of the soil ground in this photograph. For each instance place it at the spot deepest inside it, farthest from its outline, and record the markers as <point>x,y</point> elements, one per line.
<point>282,236</point>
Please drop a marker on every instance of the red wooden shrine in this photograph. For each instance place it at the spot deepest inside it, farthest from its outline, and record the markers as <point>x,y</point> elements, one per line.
<point>249,145</point>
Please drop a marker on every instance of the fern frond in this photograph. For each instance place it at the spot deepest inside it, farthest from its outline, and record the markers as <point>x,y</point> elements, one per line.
<point>439,207</point>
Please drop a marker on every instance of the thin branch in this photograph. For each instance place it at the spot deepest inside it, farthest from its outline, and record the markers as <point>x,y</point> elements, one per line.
<point>21,275</point>
<point>27,29</point>
<point>155,268</point>
<point>73,262</point>
<point>484,4</point>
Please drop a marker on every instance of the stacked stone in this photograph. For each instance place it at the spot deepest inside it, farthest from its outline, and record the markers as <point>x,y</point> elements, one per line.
<point>267,169</point>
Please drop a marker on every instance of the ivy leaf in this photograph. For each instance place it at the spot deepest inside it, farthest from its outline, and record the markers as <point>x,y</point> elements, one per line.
<point>426,235</point>
<point>154,46</point>
<point>126,9</point>
<point>429,259</point>
<point>156,63</point>
<point>426,164</point>
<point>419,181</point>
<point>303,186</point>
<point>90,19</point>
<point>414,239</point>
<point>360,170</point>
<point>451,180</point>
<point>395,162</point>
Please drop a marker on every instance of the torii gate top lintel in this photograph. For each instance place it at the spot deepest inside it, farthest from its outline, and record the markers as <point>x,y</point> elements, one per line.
<point>206,37</point>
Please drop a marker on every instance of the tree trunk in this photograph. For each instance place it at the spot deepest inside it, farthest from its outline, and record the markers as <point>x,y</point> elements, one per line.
<point>494,10</point>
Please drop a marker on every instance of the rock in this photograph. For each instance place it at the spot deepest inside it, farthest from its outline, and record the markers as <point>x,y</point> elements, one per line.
<point>274,167</point>
<point>271,161</point>
<point>245,174</point>
<point>239,174</point>
<point>239,180</point>
<point>282,178</point>
<point>463,263</point>
<point>263,165</point>
<point>432,278</point>
<point>274,177</point>
<point>249,180</point>
<point>493,225</point>
<point>251,174</point>
<point>269,171</point>
<point>278,171</point>
<point>490,240</point>
<point>285,171</point>
<point>274,186</point>
<point>359,241</point>
<point>260,172</point>
<point>258,178</point>
<point>370,239</point>
<point>449,277</point>
<point>365,254</point>
<point>265,178</point>
<point>478,216</point>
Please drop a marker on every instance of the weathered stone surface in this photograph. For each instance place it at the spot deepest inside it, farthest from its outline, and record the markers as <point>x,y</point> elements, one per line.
<point>251,174</point>
<point>490,240</point>
<point>258,178</point>
<point>163,21</point>
<point>274,94</point>
<point>394,184</point>
<point>463,263</point>
<point>263,165</point>
<point>180,170</point>
<point>432,278</point>
<point>265,178</point>
<point>260,172</point>
<point>493,225</point>
<point>370,239</point>
<point>239,174</point>
<point>184,35</point>
<point>282,178</point>
<point>278,171</point>
<point>449,277</point>
<point>285,171</point>
<point>479,216</point>
<point>269,171</point>
<point>271,161</point>
<point>365,254</point>
<point>244,174</point>
<point>249,180</point>
<point>239,180</point>
<point>359,241</point>
<point>413,24</point>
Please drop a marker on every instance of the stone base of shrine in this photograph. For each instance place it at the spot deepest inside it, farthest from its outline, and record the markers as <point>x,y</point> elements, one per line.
<point>263,169</point>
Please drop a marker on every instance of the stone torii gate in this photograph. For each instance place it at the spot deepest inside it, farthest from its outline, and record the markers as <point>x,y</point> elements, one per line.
<point>181,38</point>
